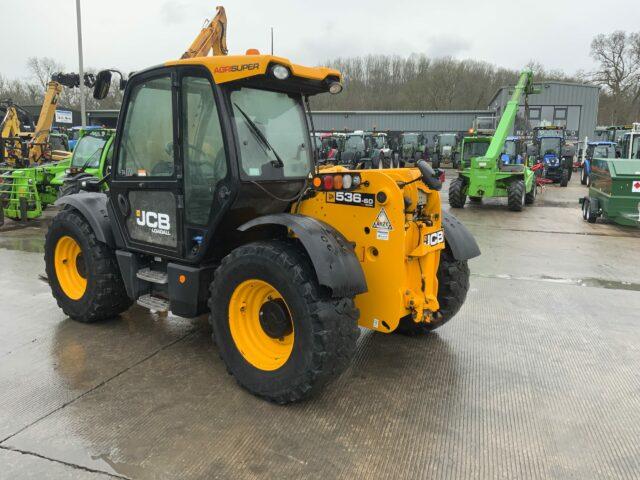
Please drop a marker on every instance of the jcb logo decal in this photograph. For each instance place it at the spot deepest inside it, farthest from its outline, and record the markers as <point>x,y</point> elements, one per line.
<point>158,222</point>
<point>237,68</point>
<point>435,238</point>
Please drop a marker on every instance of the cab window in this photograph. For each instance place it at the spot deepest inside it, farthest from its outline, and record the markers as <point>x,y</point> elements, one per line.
<point>203,151</point>
<point>146,148</point>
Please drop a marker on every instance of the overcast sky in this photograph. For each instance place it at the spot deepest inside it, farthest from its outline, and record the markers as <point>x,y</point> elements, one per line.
<point>133,34</point>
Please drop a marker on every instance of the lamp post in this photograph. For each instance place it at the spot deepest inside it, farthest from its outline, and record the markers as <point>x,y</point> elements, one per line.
<point>83,112</point>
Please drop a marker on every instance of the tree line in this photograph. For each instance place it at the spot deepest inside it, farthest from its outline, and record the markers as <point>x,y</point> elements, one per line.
<point>417,82</point>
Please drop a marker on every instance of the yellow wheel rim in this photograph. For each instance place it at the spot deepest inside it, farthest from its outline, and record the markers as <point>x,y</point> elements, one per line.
<point>69,266</point>
<point>260,324</point>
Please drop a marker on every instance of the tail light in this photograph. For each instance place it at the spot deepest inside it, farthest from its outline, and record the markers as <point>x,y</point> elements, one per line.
<point>345,181</point>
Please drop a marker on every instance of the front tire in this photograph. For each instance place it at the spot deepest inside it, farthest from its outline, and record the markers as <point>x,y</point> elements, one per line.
<point>453,285</point>
<point>583,176</point>
<point>281,335</point>
<point>83,272</point>
<point>530,197</point>
<point>516,195</point>
<point>457,193</point>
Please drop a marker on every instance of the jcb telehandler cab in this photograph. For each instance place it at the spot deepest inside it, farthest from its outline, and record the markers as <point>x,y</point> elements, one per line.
<point>213,207</point>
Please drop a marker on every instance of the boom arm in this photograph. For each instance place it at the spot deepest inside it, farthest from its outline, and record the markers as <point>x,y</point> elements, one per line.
<point>213,36</point>
<point>524,86</point>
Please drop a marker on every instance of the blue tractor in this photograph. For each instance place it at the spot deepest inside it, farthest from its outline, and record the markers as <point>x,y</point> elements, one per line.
<point>551,149</point>
<point>595,150</point>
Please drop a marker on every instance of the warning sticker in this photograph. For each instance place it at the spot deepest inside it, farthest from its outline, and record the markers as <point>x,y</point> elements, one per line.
<point>635,186</point>
<point>382,221</point>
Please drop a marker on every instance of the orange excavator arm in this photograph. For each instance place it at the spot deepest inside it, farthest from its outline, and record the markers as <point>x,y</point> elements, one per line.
<point>212,37</point>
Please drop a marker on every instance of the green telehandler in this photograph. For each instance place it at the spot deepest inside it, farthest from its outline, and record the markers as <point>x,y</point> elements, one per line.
<point>483,173</point>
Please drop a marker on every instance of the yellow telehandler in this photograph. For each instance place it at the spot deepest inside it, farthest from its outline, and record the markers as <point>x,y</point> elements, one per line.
<point>215,205</point>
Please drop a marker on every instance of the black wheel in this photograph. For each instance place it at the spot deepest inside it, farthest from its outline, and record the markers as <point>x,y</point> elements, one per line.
<point>83,272</point>
<point>516,195</point>
<point>280,334</point>
<point>564,178</point>
<point>588,180</point>
<point>453,285</point>
<point>585,208</point>
<point>436,161</point>
<point>475,199</point>
<point>583,176</point>
<point>530,197</point>
<point>458,193</point>
<point>69,188</point>
<point>591,213</point>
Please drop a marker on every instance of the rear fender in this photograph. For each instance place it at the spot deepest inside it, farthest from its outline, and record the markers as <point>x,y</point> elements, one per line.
<point>93,207</point>
<point>459,239</point>
<point>331,254</point>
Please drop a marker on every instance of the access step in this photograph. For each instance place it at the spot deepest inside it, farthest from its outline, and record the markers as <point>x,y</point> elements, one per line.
<point>153,303</point>
<point>153,276</point>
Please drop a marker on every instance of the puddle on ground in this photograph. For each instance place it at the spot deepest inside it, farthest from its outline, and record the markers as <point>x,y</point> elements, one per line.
<point>23,244</point>
<point>581,282</point>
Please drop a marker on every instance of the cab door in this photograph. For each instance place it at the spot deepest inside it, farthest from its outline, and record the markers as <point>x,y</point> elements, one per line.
<point>145,189</point>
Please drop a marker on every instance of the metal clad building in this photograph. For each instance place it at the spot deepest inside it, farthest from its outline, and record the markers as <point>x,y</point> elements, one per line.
<point>403,121</point>
<point>573,105</point>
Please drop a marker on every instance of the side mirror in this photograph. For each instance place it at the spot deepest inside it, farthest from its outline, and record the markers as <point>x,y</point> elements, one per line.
<point>429,175</point>
<point>102,84</point>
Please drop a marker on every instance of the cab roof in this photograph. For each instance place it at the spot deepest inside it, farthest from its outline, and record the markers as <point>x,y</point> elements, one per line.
<point>228,68</point>
<point>595,144</point>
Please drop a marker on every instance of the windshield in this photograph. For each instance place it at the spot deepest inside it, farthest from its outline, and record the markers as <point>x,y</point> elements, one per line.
<point>57,142</point>
<point>88,151</point>
<point>604,151</point>
<point>410,138</point>
<point>379,141</point>
<point>475,149</point>
<point>448,140</point>
<point>280,119</point>
<point>74,134</point>
<point>550,146</point>
<point>354,143</point>
<point>509,148</point>
<point>635,148</point>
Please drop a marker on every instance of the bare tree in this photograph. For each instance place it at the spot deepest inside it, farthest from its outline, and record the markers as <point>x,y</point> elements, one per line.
<point>618,72</point>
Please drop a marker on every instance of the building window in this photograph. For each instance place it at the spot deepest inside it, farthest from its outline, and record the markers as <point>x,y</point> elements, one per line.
<point>560,114</point>
<point>534,113</point>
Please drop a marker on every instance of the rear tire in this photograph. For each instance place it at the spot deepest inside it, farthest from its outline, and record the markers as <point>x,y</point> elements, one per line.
<point>436,161</point>
<point>583,176</point>
<point>453,285</point>
<point>323,330</point>
<point>457,193</point>
<point>87,286</point>
<point>516,195</point>
<point>564,179</point>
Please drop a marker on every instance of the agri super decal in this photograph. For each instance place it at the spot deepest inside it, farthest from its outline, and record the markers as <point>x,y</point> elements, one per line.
<point>237,68</point>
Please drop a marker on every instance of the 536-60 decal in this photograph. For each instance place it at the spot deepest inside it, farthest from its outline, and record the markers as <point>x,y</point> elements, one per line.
<point>352,198</point>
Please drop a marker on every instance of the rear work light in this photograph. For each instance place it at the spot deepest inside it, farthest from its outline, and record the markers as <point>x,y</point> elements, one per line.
<point>334,181</point>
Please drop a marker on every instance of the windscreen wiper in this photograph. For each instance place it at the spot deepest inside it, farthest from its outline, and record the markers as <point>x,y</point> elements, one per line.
<point>278,163</point>
<point>86,163</point>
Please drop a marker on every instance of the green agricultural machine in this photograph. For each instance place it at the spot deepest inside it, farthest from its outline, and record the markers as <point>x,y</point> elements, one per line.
<point>26,192</point>
<point>614,190</point>
<point>412,146</point>
<point>445,149</point>
<point>91,160</point>
<point>483,173</point>
<point>614,193</point>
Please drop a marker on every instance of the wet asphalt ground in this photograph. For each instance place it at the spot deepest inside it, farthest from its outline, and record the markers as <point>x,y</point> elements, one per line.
<point>536,377</point>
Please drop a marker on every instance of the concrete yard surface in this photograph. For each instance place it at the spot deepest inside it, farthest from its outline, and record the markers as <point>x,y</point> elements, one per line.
<point>536,377</point>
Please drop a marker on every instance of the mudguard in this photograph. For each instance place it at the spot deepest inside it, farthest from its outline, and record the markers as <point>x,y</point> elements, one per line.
<point>331,254</point>
<point>93,207</point>
<point>459,239</point>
